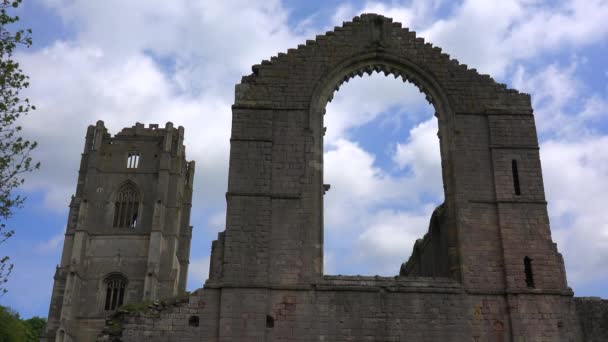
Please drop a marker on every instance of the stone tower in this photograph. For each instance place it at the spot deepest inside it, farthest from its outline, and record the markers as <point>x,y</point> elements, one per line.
<point>128,231</point>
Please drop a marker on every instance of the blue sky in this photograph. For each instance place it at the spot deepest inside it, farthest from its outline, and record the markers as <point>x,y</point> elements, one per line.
<point>157,61</point>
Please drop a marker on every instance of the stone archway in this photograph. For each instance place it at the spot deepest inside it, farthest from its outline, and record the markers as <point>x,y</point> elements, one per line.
<point>276,155</point>
<point>396,66</point>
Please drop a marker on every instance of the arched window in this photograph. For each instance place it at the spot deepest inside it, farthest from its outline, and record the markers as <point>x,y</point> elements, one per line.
<point>115,292</point>
<point>126,207</point>
<point>133,160</point>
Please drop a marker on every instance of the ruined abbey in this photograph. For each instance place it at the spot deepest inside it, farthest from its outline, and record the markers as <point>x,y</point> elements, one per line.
<point>487,269</point>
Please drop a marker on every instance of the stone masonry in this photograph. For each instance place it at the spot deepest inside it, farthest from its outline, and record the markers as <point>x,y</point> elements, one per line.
<point>487,270</point>
<point>128,232</point>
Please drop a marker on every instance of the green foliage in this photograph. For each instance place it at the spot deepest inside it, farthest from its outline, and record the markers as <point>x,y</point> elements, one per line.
<point>11,327</point>
<point>136,307</point>
<point>34,327</point>
<point>14,329</point>
<point>15,159</point>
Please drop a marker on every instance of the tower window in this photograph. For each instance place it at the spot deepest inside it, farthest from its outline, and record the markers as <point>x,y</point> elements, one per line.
<point>269,321</point>
<point>133,160</point>
<point>193,321</point>
<point>528,270</point>
<point>515,177</point>
<point>115,292</point>
<point>126,207</point>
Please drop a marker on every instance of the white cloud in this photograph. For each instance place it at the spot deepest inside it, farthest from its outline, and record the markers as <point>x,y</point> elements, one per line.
<point>415,14</point>
<point>389,236</point>
<point>160,62</point>
<point>576,22</point>
<point>421,152</point>
<point>343,13</point>
<point>374,215</point>
<point>491,36</point>
<point>74,86</point>
<point>576,182</point>
<point>574,161</point>
<point>360,188</point>
<point>329,263</point>
<point>364,99</point>
<point>51,245</point>
<point>217,221</point>
<point>208,52</point>
<point>555,89</point>
<point>198,272</point>
<point>355,184</point>
<point>474,33</point>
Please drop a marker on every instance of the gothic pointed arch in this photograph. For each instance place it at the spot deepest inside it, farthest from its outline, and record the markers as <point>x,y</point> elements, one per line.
<point>115,285</point>
<point>276,162</point>
<point>127,203</point>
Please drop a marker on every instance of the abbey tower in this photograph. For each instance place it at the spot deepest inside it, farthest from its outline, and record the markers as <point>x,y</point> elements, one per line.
<point>128,231</point>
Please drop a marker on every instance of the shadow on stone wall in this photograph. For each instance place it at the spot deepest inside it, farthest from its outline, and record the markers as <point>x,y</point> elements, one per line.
<point>593,316</point>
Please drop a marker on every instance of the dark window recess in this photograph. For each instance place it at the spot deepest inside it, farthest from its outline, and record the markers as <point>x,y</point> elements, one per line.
<point>515,177</point>
<point>115,292</point>
<point>193,321</point>
<point>528,270</point>
<point>269,321</point>
<point>126,207</point>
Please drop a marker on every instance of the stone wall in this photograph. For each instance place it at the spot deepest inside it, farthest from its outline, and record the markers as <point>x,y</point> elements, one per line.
<point>593,315</point>
<point>184,319</point>
<point>430,256</point>
<point>356,309</point>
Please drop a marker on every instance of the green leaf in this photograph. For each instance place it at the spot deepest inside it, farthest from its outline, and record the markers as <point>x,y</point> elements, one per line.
<point>14,149</point>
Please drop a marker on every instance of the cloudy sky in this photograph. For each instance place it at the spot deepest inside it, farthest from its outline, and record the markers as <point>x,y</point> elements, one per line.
<point>155,61</point>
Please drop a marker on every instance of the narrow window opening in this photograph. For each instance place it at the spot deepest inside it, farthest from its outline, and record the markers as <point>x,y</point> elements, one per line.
<point>115,292</point>
<point>515,177</point>
<point>529,274</point>
<point>133,160</point>
<point>114,299</point>
<point>121,296</point>
<point>269,321</point>
<point>193,321</point>
<point>126,207</point>
<point>108,298</point>
<point>116,213</point>
<point>123,211</point>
